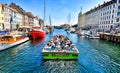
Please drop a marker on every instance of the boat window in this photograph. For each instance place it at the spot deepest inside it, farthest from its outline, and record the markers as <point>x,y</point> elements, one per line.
<point>36,28</point>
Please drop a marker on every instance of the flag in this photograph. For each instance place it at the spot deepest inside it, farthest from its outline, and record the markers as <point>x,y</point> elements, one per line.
<point>11,22</point>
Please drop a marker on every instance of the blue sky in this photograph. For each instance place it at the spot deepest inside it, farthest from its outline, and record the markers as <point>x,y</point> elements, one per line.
<point>58,9</point>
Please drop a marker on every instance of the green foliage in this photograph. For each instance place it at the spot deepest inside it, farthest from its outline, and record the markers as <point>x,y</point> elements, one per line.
<point>17,26</point>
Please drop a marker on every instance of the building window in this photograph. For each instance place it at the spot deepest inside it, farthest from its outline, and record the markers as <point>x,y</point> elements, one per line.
<point>117,20</point>
<point>111,21</point>
<point>107,13</point>
<point>118,14</point>
<point>112,16</point>
<point>110,12</point>
<point>2,18</point>
<point>110,7</point>
<point>113,11</point>
<point>118,7</point>
<point>109,17</point>
<point>113,6</point>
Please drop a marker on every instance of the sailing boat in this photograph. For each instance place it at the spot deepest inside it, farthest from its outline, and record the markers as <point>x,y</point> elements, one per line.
<point>50,27</point>
<point>69,19</point>
<point>37,31</point>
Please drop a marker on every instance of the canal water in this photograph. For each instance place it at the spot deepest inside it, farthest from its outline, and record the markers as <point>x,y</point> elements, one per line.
<point>95,56</point>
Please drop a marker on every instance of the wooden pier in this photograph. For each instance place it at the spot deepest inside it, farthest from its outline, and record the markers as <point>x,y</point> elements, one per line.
<point>110,37</point>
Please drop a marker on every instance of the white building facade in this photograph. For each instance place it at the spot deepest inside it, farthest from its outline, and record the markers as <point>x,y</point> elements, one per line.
<point>12,15</point>
<point>26,20</point>
<point>92,18</point>
<point>1,18</point>
<point>7,15</point>
<point>36,21</point>
<point>105,16</point>
<point>108,14</point>
<point>81,20</point>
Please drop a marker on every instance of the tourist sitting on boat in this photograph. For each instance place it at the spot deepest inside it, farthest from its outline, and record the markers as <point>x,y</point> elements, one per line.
<point>71,47</point>
<point>62,44</point>
<point>59,43</point>
<point>48,46</point>
<point>59,48</point>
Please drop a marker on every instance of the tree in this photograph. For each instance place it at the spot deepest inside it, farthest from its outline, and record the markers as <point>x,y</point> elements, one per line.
<point>17,26</point>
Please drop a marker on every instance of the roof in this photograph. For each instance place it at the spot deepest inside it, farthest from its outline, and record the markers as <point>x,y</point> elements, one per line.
<point>10,8</point>
<point>29,14</point>
<point>101,6</point>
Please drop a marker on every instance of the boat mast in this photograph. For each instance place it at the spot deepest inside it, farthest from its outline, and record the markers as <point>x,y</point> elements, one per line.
<point>69,19</point>
<point>44,12</point>
<point>50,20</point>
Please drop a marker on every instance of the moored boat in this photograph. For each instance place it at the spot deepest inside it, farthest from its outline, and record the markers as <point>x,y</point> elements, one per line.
<point>9,41</point>
<point>60,47</point>
<point>37,32</point>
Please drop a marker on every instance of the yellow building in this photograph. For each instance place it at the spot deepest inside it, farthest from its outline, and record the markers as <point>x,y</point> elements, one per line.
<point>2,26</point>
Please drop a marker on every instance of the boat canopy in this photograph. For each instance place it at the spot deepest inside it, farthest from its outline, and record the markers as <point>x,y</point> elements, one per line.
<point>25,27</point>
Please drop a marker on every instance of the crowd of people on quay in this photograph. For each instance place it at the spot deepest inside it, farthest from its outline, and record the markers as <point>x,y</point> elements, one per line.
<point>60,43</point>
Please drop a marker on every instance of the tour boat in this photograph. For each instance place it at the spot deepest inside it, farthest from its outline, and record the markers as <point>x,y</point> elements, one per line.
<point>62,49</point>
<point>37,32</point>
<point>9,41</point>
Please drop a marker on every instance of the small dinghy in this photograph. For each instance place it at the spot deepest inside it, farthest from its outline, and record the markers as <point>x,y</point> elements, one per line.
<point>60,47</point>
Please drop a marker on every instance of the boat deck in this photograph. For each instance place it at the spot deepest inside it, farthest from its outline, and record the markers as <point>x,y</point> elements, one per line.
<point>11,41</point>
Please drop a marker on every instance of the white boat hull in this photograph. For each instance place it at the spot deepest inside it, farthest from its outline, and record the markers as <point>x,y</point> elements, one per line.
<point>13,44</point>
<point>94,37</point>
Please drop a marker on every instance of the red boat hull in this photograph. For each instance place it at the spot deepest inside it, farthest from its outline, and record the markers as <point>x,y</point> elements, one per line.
<point>37,34</point>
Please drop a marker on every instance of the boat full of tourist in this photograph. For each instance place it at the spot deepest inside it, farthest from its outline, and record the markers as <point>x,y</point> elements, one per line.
<point>8,41</point>
<point>37,32</point>
<point>60,47</point>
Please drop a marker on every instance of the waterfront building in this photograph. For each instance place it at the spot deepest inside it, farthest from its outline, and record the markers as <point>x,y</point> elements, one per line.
<point>65,26</point>
<point>108,15</point>
<point>103,16</point>
<point>12,17</point>
<point>7,15</point>
<point>92,18</point>
<point>81,20</point>
<point>41,23</point>
<point>20,10</point>
<point>36,21</point>
<point>117,20</point>
<point>2,26</point>
<point>30,18</point>
<point>26,20</point>
<point>17,19</point>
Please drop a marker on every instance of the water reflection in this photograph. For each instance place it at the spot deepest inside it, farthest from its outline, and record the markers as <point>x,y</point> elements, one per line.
<point>36,41</point>
<point>95,56</point>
